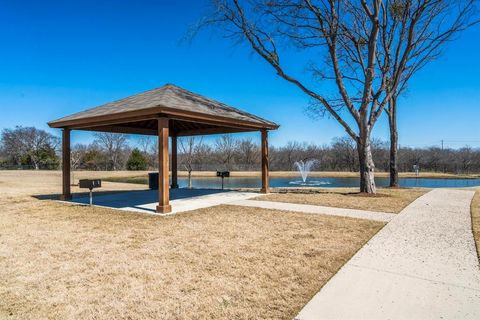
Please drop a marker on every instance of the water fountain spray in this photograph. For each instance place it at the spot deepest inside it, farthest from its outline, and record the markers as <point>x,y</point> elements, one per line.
<point>304,167</point>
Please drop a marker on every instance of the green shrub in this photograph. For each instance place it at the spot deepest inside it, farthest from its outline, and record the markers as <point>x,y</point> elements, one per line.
<point>137,161</point>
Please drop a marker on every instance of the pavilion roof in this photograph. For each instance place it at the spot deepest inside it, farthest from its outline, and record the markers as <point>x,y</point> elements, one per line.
<point>170,101</point>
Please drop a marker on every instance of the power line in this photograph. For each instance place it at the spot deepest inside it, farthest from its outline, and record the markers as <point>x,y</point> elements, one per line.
<point>462,141</point>
<point>443,144</point>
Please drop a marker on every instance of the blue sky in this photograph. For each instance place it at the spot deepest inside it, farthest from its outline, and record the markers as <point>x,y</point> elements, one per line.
<point>59,57</point>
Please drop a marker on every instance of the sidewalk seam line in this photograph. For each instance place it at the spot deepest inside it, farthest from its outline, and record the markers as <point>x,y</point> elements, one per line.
<point>414,277</point>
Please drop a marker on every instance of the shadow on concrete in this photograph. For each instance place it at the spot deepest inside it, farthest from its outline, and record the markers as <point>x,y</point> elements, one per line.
<point>56,196</point>
<point>138,199</point>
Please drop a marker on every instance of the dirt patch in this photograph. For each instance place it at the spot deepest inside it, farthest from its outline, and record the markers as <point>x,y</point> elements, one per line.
<point>386,200</point>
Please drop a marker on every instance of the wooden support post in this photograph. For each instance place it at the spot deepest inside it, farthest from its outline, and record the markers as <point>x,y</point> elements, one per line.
<point>264,161</point>
<point>66,193</point>
<point>174,163</point>
<point>163,188</point>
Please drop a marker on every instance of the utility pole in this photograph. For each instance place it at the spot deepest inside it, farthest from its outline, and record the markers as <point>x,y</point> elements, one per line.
<point>444,165</point>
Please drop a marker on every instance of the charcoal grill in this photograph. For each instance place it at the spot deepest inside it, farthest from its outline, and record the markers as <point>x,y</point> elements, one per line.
<point>223,174</point>
<point>90,184</point>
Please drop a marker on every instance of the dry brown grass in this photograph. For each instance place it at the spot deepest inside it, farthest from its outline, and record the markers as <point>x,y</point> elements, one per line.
<point>25,183</point>
<point>475,210</point>
<point>386,200</point>
<point>60,261</point>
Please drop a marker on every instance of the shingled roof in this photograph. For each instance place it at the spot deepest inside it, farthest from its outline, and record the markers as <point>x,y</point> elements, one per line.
<point>168,100</point>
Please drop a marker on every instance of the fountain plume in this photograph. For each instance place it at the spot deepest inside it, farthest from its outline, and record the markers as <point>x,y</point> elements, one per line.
<point>304,167</point>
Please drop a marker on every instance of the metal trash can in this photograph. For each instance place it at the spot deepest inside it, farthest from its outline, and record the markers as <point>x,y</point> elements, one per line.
<point>153,180</point>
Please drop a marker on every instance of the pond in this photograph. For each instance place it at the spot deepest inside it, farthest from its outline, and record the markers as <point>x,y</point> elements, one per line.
<point>277,182</point>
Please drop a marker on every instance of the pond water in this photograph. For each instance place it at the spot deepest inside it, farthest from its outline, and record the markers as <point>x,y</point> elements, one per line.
<point>276,182</point>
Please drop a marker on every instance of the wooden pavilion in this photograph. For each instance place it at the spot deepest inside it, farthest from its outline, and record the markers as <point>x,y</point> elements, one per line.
<point>168,111</point>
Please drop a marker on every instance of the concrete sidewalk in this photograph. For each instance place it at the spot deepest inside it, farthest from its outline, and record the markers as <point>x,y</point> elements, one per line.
<point>306,208</point>
<point>182,199</point>
<point>421,265</point>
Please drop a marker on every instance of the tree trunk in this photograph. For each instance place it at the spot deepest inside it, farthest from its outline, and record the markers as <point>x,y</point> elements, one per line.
<point>392,121</point>
<point>367,167</point>
<point>190,179</point>
<point>35,163</point>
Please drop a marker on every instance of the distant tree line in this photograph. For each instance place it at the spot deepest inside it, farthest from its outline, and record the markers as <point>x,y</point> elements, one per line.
<point>228,153</point>
<point>31,148</point>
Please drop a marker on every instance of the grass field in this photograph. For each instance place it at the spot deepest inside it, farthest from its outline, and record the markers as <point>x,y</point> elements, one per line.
<point>386,199</point>
<point>61,261</point>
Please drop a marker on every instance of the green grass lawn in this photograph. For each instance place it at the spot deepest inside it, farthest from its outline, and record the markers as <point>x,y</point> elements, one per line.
<point>136,180</point>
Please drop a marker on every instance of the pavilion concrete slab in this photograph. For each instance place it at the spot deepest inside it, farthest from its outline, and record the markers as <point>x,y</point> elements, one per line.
<point>421,265</point>
<point>181,199</point>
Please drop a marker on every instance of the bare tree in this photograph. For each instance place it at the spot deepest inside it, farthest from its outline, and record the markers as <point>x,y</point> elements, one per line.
<point>114,145</point>
<point>248,152</point>
<point>145,144</point>
<point>413,33</point>
<point>203,156</point>
<point>344,150</point>
<point>154,153</point>
<point>291,149</point>
<point>31,143</point>
<point>11,146</point>
<point>149,148</point>
<point>380,154</point>
<point>226,147</point>
<point>343,36</point>
<point>189,147</point>
<point>467,158</point>
<point>77,154</point>
<point>410,157</point>
<point>93,158</point>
